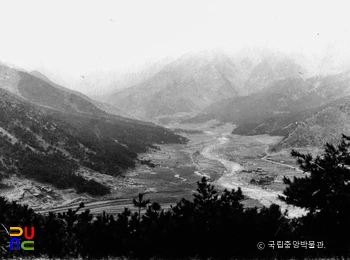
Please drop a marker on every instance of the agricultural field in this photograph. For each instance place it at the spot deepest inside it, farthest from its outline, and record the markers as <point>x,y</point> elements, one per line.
<point>172,171</point>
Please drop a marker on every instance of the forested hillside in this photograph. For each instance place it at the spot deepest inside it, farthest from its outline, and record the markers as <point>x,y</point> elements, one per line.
<point>213,224</point>
<point>323,125</point>
<point>49,145</point>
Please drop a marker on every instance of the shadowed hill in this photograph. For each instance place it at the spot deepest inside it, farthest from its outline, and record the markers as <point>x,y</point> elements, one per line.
<point>47,134</point>
<point>101,105</point>
<point>279,108</point>
<point>324,125</point>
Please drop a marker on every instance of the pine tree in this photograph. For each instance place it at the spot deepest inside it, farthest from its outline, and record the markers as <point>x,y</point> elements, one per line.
<point>140,203</point>
<point>326,185</point>
<point>325,192</point>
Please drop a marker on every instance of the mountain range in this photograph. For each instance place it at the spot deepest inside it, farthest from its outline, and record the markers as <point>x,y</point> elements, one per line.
<point>49,133</point>
<point>197,80</point>
<point>43,122</point>
<point>283,107</point>
<point>262,92</point>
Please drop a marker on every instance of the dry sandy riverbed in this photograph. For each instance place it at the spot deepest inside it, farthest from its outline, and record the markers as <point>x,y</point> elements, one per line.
<point>230,180</point>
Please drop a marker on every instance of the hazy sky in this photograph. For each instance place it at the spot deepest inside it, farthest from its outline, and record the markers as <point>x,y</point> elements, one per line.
<point>72,37</point>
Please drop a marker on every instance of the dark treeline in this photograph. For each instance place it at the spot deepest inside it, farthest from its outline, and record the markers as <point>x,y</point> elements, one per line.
<point>213,224</point>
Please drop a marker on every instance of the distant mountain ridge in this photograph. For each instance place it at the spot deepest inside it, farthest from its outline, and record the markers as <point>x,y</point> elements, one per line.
<point>100,85</point>
<point>186,85</point>
<point>277,108</point>
<point>272,69</point>
<point>101,105</point>
<point>197,80</point>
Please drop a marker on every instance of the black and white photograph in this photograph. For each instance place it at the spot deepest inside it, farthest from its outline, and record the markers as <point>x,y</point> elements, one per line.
<point>174,130</point>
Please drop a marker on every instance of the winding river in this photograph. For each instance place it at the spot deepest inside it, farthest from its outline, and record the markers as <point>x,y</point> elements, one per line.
<point>230,180</point>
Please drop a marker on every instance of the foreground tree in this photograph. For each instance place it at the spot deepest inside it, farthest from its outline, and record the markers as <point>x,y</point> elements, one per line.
<point>140,203</point>
<point>325,192</point>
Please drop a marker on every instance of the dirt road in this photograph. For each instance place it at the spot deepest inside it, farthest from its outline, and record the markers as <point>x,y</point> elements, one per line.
<point>271,161</point>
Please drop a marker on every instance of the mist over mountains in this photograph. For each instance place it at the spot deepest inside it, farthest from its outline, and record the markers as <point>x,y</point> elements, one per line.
<point>188,84</point>
<point>197,80</point>
<point>261,93</point>
<point>279,99</point>
<point>175,129</point>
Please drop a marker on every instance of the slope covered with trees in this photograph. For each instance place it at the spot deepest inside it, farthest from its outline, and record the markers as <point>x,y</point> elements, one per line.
<point>49,146</point>
<point>48,132</point>
<point>324,124</point>
<point>212,224</point>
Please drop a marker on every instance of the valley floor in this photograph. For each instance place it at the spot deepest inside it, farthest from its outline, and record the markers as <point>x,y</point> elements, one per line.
<point>229,161</point>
